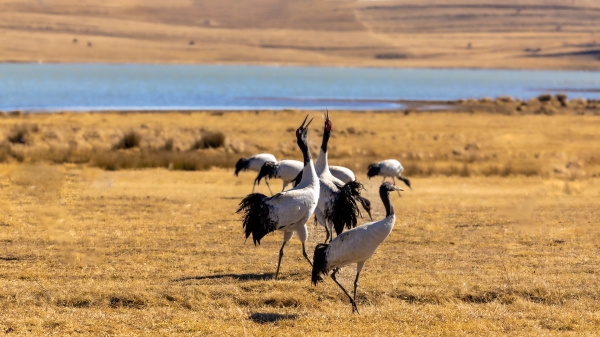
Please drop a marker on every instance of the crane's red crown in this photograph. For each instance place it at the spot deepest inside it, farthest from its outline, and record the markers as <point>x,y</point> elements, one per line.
<point>328,125</point>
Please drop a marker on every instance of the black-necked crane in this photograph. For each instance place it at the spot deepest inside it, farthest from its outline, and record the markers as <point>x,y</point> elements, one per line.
<point>285,170</point>
<point>356,245</point>
<point>388,168</point>
<point>287,211</point>
<point>253,163</point>
<point>337,201</point>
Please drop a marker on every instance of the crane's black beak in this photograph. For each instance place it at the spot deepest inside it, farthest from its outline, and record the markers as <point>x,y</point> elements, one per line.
<point>306,127</point>
<point>305,118</point>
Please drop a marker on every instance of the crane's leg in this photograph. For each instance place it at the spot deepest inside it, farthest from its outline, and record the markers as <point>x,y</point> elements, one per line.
<point>330,229</point>
<point>328,237</point>
<point>286,237</point>
<point>306,255</point>
<point>354,308</point>
<point>321,220</point>
<point>359,267</point>
<point>303,236</point>
<point>267,182</point>
<point>383,181</point>
<point>285,183</point>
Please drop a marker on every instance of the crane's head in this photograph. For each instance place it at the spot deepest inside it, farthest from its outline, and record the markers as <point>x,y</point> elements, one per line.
<point>373,170</point>
<point>387,187</point>
<point>328,124</point>
<point>241,165</point>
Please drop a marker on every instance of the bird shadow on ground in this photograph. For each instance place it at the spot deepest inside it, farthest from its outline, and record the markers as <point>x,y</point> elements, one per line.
<point>13,258</point>
<point>239,277</point>
<point>9,258</point>
<point>269,317</point>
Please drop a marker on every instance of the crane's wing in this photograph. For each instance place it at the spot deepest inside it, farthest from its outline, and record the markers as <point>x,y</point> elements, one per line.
<point>352,246</point>
<point>291,206</point>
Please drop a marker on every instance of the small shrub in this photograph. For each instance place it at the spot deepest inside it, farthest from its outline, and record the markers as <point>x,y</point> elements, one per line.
<point>209,140</point>
<point>168,145</point>
<point>129,140</point>
<point>20,135</point>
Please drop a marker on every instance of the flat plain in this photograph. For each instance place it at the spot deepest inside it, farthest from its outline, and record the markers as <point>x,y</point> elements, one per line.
<point>514,34</point>
<point>159,250</point>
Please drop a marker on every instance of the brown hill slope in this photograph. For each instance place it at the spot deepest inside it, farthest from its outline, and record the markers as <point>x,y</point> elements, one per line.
<point>430,33</point>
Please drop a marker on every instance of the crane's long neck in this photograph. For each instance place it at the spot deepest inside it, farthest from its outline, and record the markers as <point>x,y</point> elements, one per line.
<point>309,175</point>
<point>385,198</point>
<point>382,228</point>
<point>322,165</point>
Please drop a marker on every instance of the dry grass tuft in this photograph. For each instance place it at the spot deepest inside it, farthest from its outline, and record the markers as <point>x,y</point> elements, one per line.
<point>168,145</point>
<point>20,134</point>
<point>209,140</point>
<point>129,140</point>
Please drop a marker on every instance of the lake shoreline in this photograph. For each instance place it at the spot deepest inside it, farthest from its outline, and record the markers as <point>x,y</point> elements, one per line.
<point>543,104</point>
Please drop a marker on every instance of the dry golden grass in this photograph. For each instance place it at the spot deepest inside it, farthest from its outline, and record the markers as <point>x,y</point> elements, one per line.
<point>161,252</point>
<point>432,33</point>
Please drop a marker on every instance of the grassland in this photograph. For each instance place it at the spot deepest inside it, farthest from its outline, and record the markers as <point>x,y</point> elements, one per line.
<point>533,34</point>
<point>160,251</point>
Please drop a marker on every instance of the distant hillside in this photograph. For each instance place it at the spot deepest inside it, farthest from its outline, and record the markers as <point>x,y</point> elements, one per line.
<point>427,33</point>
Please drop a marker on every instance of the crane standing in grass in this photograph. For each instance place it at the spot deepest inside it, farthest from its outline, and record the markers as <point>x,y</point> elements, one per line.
<point>285,170</point>
<point>286,211</point>
<point>388,168</point>
<point>355,246</point>
<point>254,163</point>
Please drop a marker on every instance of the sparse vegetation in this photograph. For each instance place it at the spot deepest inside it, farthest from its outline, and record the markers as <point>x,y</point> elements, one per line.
<point>454,145</point>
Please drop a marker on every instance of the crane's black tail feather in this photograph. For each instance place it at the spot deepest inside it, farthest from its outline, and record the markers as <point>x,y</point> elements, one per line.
<point>373,170</point>
<point>319,263</point>
<point>269,170</point>
<point>406,181</point>
<point>241,165</point>
<point>257,220</point>
<point>366,204</point>
<point>345,212</point>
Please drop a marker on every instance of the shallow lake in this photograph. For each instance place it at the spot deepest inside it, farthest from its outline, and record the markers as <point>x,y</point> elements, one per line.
<point>85,87</point>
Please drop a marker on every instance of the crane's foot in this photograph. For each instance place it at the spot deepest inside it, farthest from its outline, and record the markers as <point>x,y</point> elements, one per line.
<point>354,307</point>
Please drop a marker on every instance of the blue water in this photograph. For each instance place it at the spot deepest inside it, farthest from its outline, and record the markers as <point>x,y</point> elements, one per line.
<point>54,87</point>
